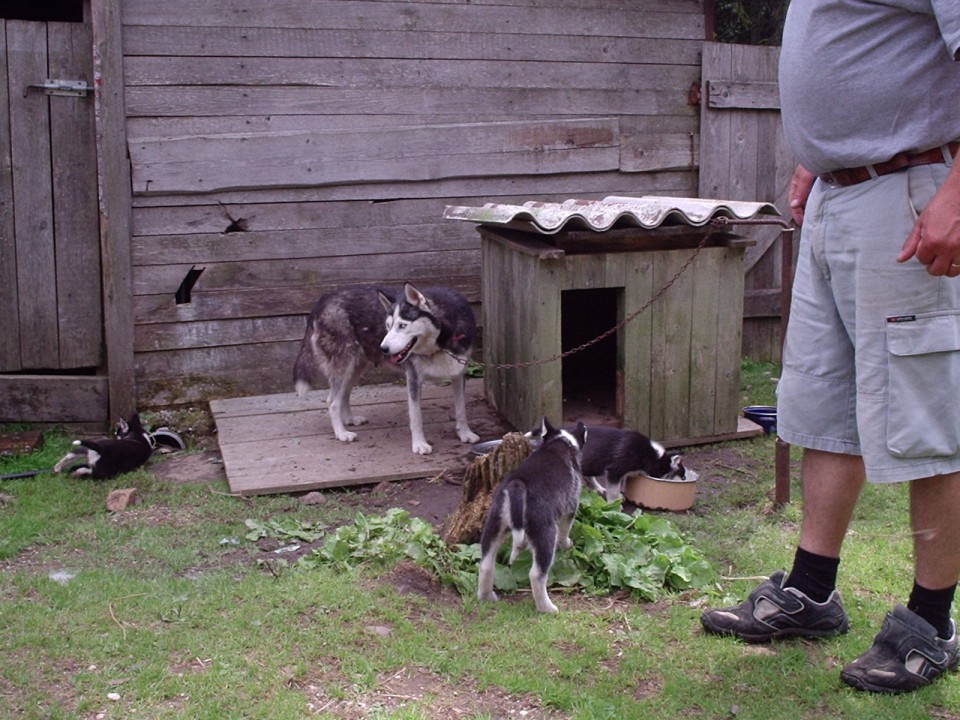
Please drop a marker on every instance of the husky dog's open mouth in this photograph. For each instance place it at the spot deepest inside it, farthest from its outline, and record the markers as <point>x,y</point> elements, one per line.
<point>397,358</point>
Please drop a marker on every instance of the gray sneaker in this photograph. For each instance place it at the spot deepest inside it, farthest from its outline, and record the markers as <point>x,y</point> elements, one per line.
<point>906,654</point>
<point>773,611</point>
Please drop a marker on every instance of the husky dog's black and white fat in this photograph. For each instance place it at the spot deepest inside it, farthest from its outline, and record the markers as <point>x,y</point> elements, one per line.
<point>103,459</point>
<point>537,503</point>
<point>429,334</point>
<point>613,453</point>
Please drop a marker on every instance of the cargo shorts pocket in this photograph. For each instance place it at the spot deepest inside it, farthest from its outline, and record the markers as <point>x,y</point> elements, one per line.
<point>923,411</point>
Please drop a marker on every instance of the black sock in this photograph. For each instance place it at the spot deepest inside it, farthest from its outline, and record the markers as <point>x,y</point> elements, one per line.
<point>813,575</point>
<point>933,606</point>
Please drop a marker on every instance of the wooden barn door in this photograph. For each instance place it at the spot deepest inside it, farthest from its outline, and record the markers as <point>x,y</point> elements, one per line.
<point>743,156</point>
<point>50,276</point>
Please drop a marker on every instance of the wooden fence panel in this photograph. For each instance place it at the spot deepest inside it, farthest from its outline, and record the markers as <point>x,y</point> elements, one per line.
<point>33,190</point>
<point>406,154</point>
<point>9,303</point>
<point>76,210</point>
<point>318,142</point>
<point>50,299</point>
<point>743,156</point>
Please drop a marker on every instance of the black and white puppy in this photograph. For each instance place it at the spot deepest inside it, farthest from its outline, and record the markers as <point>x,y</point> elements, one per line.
<point>537,503</point>
<point>108,457</point>
<point>613,453</point>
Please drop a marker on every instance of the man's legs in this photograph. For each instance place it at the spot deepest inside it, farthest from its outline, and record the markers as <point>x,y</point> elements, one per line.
<point>783,606</point>
<point>935,514</point>
<point>918,643</point>
<point>831,486</point>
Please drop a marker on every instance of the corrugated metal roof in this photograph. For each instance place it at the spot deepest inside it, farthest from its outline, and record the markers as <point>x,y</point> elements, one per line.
<point>646,212</point>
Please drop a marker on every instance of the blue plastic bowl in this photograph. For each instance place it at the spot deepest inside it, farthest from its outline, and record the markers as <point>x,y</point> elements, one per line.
<point>763,415</point>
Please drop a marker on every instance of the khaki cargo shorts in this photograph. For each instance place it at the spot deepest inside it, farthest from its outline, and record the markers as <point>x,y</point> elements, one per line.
<point>871,363</point>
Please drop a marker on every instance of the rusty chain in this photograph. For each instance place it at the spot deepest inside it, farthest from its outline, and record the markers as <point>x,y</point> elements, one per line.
<point>607,333</point>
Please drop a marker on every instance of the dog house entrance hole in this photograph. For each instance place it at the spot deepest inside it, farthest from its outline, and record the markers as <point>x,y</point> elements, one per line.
<point>593,377</point>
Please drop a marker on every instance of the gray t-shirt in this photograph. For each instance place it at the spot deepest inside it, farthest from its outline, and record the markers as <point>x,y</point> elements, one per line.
<point>861,80</point>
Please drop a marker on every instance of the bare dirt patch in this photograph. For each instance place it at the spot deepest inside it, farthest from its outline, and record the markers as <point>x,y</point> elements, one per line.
<point>433,696</point>
<point>189,468</point>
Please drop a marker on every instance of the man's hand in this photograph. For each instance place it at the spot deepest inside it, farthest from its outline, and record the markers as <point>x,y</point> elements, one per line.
<point>935,237</point>
<point>800,185</point>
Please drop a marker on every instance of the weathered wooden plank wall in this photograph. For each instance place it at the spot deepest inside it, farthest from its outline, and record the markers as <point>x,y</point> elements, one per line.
<point>9,306</point>
<point>287,147</point>
<point>745,157</point>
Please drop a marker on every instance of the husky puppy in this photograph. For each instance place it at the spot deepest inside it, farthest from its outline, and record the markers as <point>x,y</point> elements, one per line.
<point>536,503</point>
<point>103,459</point>
<point>427,334</point>
<point>614,452</point>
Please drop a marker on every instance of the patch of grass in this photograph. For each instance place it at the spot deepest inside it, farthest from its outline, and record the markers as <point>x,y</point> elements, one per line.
<point>758,381</point>
<point>163,611</point>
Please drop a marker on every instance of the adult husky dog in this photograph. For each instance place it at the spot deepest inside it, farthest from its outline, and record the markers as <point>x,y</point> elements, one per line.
<point>536,503</point>
<point>612,453</point>
<point>429,334</point>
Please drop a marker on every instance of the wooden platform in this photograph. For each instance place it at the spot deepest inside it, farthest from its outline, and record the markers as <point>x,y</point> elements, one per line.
<point>20,442</point>
<point>282,443</point>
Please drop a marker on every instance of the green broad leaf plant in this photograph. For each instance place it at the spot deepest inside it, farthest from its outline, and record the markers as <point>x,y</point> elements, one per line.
<point>641,554</point>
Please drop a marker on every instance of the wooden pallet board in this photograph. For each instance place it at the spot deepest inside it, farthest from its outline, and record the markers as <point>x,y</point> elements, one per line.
<point>282,443</point>
<point>20,442</point>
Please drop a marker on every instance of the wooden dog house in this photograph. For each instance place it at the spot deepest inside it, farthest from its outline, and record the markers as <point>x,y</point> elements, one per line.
<point>662,273</point>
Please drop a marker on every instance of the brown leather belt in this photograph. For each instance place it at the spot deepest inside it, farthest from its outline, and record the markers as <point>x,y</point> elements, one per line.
<point>900,161</point>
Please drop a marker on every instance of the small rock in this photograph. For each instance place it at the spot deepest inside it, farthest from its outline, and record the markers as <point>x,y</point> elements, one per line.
<point>113,696</point>
<point>314,498</point>
<point>120,500</point>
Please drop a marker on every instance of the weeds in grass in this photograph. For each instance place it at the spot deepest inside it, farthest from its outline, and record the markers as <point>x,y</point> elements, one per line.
<point>641,554</point>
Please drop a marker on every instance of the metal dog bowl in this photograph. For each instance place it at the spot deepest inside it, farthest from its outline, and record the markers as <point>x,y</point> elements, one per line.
<point>672,494</point>
<point>168,438</point>
<point>763,415</point>
<point>486,447</point>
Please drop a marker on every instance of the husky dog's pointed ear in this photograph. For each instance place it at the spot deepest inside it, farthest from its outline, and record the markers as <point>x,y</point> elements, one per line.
<point>122,427</point>
<point>546,428</point>
<point>580,433</point>
<point>415,297</point>
<point>387,302</point>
